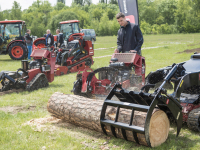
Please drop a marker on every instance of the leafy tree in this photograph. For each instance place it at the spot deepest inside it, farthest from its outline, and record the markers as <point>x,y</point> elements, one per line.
<point>59,6</point>
<point>80,2</point>
<point>88,2</point>
<point>61,1</point>
<point>113,2</point>
<point>16,12</point>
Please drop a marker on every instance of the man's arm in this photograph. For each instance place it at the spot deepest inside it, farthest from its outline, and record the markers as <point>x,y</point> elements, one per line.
<point>28,37</point>
<point>58,40</point>
<point>119,42</point>
<point>139,38</point>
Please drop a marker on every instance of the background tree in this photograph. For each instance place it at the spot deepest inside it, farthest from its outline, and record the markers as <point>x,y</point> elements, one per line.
<point>80,2</point>
<point>62,1</point>
<point>16,12</point>
<point>87,2</point>
<point>113,2</point>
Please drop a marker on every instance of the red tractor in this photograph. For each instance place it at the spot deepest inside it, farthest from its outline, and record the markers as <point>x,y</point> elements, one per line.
<point>12,40</point>
<point>68,28</point>
<point>126,68</point>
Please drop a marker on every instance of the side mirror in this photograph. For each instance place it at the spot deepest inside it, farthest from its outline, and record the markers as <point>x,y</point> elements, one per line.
<point>114,59</point>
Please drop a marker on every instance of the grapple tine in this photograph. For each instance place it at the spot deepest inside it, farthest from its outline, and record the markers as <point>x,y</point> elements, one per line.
<point>124,134</point>
<point>113,131</point>
<point>135,137</point>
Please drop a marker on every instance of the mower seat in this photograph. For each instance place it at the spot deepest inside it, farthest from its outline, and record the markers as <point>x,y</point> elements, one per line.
<point>64,57</point>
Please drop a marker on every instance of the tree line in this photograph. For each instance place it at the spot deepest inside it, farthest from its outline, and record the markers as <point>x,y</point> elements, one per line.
<point>155,16</point>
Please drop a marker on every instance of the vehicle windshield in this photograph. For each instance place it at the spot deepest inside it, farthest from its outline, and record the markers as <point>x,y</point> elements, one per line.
<point>10,30</point>
<point>68,29</point>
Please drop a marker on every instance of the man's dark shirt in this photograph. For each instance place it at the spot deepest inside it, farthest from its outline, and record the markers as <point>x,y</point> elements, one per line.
<point>60,38</point>
<point>28,39</point>
<point>129,38</point>
<point>51,37</point>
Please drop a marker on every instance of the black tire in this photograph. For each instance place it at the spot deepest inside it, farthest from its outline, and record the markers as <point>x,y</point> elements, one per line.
<point>77,89</point>
<point>40,42</point>
<point>193,121</point>
<point>23,50</point>
<point>88,62</point>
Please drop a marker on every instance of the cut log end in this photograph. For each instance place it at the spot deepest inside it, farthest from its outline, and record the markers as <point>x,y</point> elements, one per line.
<point>86,112</point>
<point>158,128</point>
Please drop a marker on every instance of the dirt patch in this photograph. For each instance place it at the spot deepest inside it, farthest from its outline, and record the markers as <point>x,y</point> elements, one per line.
<point>11,91</point>
<point>190,51</point>
<point>16,109</point>
<point>54,125</point>
<point>193,44</point>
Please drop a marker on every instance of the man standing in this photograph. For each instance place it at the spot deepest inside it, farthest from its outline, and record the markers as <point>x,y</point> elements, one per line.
<point>59,38</point>
<point>29,43</point>
<point>129,36</point>
<point>49,40</point>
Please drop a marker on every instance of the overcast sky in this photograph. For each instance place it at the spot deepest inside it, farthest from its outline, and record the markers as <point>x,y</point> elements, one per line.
<point>7,4</point>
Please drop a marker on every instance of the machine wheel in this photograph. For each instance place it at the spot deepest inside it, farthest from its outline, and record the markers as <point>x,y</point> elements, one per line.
<point>40,44</point>
<point>77,89</point>
<point>193,121</point>
<point>88,62</point>
<point>17,51</point>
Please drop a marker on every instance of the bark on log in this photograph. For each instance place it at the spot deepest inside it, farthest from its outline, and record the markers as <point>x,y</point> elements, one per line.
<point>86,112</point>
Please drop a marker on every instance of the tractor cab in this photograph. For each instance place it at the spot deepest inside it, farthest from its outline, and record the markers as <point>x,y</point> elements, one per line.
<point>70,27</point>
<point>12,39</point>
<point>12,30</point>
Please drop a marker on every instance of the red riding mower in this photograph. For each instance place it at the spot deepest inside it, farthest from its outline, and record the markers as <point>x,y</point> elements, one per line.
<point>31,76</point>
<point>126,68</point>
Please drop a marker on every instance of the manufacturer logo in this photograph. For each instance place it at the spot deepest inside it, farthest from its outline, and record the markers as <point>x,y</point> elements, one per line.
<point>167,102</point>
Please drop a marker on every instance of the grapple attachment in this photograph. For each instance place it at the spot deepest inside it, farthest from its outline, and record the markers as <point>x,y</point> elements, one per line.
<point>140,101</point>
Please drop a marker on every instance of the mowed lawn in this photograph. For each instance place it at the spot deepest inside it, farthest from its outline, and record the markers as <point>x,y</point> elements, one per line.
<point>17,109</point>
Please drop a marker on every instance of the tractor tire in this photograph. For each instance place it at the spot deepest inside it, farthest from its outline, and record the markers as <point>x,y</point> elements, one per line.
<point>40,44</point>
<point>18,51</point>
<point>193,121</point>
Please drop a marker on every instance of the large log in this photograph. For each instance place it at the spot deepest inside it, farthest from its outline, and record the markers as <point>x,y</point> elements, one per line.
<point>86,112</point>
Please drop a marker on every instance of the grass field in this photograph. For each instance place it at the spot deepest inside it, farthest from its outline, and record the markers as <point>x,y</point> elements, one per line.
<point>17,109</point>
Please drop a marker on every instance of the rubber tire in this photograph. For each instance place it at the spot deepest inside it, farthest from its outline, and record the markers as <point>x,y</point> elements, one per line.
<point>40,42</point>
<point>23,46</point>
<point>88,62</point>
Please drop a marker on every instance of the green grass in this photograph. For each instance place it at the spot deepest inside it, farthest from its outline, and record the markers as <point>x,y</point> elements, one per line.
<point>15,135</point>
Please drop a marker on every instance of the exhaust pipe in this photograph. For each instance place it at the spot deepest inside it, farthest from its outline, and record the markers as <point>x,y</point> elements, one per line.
<point>25,65</point>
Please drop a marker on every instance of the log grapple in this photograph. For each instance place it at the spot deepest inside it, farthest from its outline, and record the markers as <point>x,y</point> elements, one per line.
<point>183,105</point>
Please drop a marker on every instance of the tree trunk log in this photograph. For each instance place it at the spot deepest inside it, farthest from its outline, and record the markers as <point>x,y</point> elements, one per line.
<point>86,112</point>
